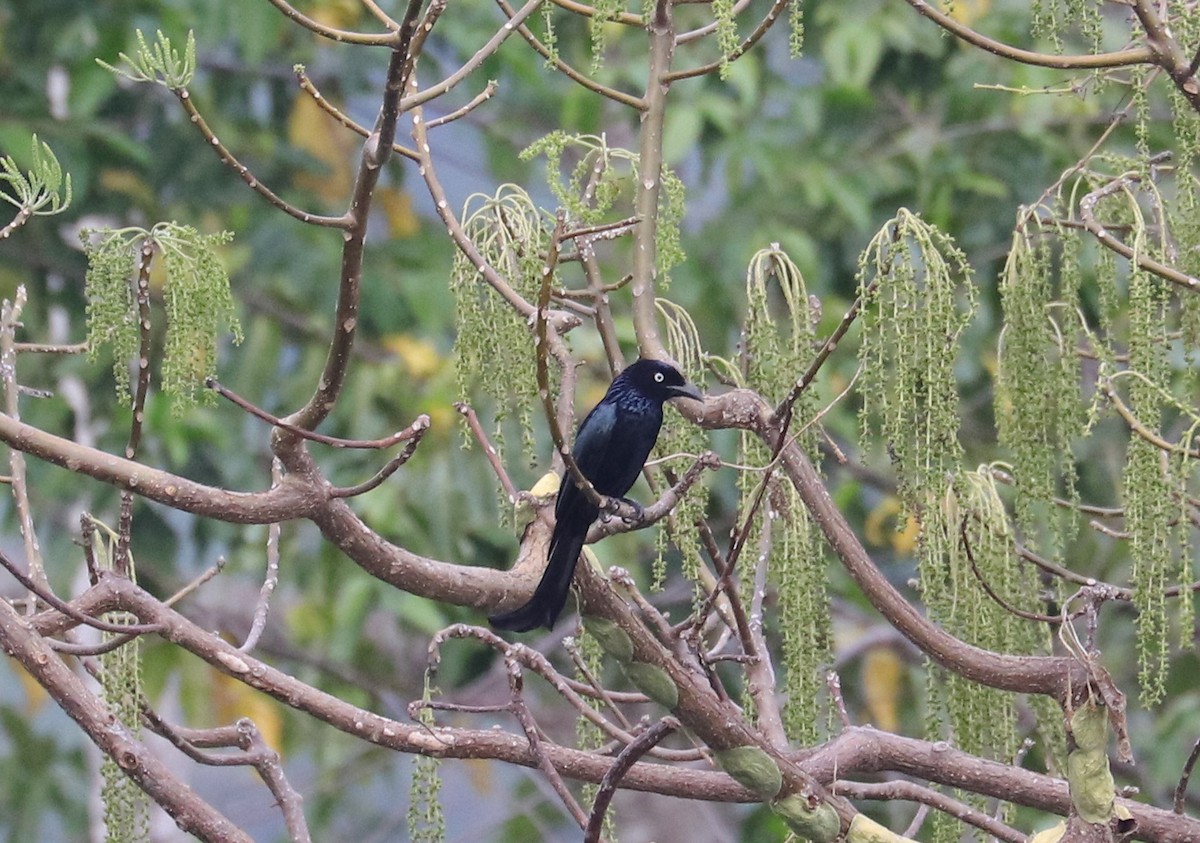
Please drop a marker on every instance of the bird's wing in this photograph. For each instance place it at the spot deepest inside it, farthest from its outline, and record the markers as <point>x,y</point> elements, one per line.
<point>595,439</point>
<point>613,442</point>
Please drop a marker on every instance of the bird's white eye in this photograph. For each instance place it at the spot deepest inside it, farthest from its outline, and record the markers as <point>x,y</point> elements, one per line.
<point>658,377</point>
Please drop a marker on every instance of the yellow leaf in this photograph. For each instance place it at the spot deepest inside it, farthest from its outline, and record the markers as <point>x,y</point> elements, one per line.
<point>902,541</point>
<point>420,357</point>
<point>481,774</point>
<point>546,486</point>
<point>340,14</point>
<point>441,417</point>
<point>35,694</point>
<point>233,700</point>
<point>882,675</point>
<point>129,183</point>
<point>905,541</point>
<point>968,11</point>
<point>397,208</point>
<point>315,132</point>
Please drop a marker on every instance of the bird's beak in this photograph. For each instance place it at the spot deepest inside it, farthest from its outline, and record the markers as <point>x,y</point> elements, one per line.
<point>686,391</point>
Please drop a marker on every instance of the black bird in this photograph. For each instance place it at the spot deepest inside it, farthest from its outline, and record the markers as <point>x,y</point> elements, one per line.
<point>611,447</point>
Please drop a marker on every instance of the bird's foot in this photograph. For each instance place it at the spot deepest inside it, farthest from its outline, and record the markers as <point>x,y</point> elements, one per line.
<point>639,514</point>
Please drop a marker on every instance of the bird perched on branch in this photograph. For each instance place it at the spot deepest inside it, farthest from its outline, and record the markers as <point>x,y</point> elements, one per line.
<point>611,447</point>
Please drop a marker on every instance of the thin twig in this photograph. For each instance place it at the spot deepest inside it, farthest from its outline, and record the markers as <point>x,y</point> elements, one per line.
<point>521,711</point>
<point>388,469</point>
<point>122,561</point>
<point>1185,777</point>
<point>310,88</point>
<point>834,683</point>
<point>262,606</point>
<point>414,431</point>
<point>1087,212</point>
<point>625,760</point>
<point>772,16</point>
<point>10,320</point>
<point>57,603</point>
<point>581,79</point>
<point>489,450</point>
<point>912,792</point>
<point>991,592</point>
<point>479,99</point>
<point>1091,61</point>
<point>253,752</point>
<point>50,348</point>
<point>516,19</point>
<point>230,160</point>
<point>342,36</point>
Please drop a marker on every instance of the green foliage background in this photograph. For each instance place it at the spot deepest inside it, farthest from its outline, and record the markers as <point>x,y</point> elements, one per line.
<point>814,154</point>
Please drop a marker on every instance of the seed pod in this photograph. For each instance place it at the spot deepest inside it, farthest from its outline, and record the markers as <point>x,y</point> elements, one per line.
<point>753,769</point>
<point>819,823</point>
<point>611,638</point>
<point>1092,786</point>
<point>653,682</point>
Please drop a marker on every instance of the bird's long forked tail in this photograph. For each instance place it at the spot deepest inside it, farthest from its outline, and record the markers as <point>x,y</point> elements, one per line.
<point>551,593</point>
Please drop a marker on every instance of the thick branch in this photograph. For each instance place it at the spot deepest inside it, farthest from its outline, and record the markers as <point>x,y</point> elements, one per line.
<point>858,751</point>
<point>649,187</point>
<point>291,499</point>
<point>376,151</point>
<point>190,812</point>
<point>113,593</point>
<point>1054,676</point>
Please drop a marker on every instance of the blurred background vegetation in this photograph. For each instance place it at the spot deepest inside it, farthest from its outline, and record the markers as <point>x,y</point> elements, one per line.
<point>813,153</point>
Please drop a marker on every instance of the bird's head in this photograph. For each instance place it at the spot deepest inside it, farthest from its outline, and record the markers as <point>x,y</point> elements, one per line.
<point>659,380</point>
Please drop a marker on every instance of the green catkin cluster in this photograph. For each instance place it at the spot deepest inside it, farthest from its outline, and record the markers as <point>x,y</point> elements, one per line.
<point>604,12</point>
<point>779,342</point>
<point>1037,386</point>
<point>199,304</point>
<point>798,571</point>
<point>511,235</point>
<point>795,29</point>
<point>126,806</point>
<point>983,720</point>
<point>727,32</point>
<point>917,302</point>
<point>550,36</point>
<point>1055,20</point>
<point>426,822</point>
<point>599,187</point>
<point>588,736</point>
<point>111,316</point>
<point>678,436</point>
<point>1143,309</point>
<point>1185,222</point>
<point>1149,506</point>
<point>1141,343</point>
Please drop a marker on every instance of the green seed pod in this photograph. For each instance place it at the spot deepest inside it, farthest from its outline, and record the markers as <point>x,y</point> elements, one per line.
<point>1089,727</point>
<point>819,824</point>
<point>753,769</point>
<point>654,683</point>
<point>612,639</point>
<point>1092,785</point>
